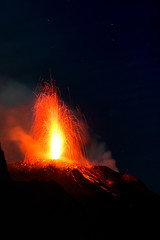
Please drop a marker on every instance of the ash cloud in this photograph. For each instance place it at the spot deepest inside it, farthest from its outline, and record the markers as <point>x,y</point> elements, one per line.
<point>98,154</point>
<point>13,93</point>
<point>15,110</point>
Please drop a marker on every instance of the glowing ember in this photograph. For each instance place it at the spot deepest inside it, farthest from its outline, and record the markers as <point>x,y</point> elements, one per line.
<point>58,133</point>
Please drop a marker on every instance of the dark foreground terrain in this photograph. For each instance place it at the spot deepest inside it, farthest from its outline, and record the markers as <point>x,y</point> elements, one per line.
<point>80,203</point>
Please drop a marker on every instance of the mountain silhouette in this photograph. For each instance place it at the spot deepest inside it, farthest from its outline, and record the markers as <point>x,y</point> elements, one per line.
<point>90,200</point>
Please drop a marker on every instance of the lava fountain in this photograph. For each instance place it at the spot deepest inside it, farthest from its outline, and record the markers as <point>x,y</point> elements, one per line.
<point>57,140</point>
<point>59,134</point>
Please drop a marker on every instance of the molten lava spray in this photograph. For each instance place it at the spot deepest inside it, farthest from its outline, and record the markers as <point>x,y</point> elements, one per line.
<point>58,137</point>
<point>58,133</point>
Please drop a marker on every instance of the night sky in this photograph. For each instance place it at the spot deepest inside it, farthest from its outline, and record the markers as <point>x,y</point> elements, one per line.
<point>108,54</point>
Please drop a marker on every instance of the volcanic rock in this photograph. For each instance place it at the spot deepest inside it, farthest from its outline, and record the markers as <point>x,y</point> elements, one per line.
<point>4,174</point>
<point>89,201</point>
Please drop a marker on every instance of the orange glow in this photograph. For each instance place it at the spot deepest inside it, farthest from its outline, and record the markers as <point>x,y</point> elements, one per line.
<point>58,137</point>
<point>59,134</point>
<point>56,141</point>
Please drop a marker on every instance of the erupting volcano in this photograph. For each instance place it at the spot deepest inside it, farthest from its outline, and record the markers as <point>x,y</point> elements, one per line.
<point>57,142</point>
<point>56,146</point>
<point>55,180</point>
<point>59,134</point>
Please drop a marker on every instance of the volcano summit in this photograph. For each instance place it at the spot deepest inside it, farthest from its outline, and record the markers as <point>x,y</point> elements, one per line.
<point>91,197</point>
<point>55,180</point>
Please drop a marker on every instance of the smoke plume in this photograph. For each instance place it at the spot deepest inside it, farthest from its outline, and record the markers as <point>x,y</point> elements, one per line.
<point>15,105</point>
<point>98,154</point>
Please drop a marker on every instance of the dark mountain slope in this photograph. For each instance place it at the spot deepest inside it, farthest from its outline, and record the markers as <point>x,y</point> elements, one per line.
<point>88,200</point>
